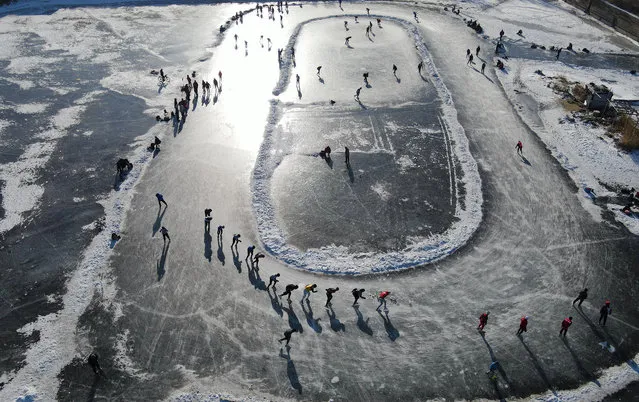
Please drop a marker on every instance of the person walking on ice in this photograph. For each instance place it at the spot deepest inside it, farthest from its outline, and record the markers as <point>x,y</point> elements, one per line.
<point>160,198</point>
<point>520,148</point>
<point>346,25</point>
<point>165,234</point>
<point>604,311</point>
<point>523,324</point>
<point>272,280</point>
<point>307,291</point>
<point>470,60</point>
<point>347,41</point>
<point>583,295</point>
<point>477,51</point>
<point>483,67</point>
<point>249,252</point>
<point>567,322</point>
<point>220,231</point>
<point>287,336</point>
<point>394,70</point>
<point>236,240</point>
<point>347,156</point>
<point>483,320</point>
<point>357,93</point>
<point>382,300</point>
<point>289,289</point>
<point>257,258</point>
<point>329,295</point>
<point>318,70</point>
<point>358,294</point>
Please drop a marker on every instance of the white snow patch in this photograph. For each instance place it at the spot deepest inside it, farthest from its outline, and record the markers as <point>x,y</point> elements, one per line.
<point>405,163</point>
<point>380,189</point>
<point>31,108</point>
<point>79,199</point>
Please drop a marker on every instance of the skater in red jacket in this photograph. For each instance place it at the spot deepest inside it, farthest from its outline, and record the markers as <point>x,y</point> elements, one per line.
<point>483,319</point>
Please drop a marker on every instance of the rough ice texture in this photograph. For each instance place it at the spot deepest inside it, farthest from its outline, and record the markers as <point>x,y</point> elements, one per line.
<point>338,259</point>
<point>591,158</point>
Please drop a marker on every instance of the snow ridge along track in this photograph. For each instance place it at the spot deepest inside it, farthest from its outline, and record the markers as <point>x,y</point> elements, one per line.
<point>337,259</point>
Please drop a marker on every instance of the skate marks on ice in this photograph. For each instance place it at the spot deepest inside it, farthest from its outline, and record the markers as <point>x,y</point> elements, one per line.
<point>338,259</point>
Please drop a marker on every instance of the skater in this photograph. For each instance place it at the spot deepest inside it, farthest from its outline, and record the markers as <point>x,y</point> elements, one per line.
<point>289,288</point>
<point>501,35</point>
<point>357,93</point>
<point>307,291</point>
<point>215,85</point>
<point>394,70</point>
<point>236,240</point>
<point>483,67</point>
<point>207,219</point>
<point>477,51</point>
<point>522,325</point>
<point>358,294</point>
<point>346,25</point>
<point>470,60</point>
<point>365,78</point>
<point>287,335</point>
<point>297,81</point>
<point>327,152</point>
<point>382,300</point>
<point>95,364</point>
<point>220,231</point>
<point>347,156</point>
<point>467,53</point>
<point>329,295</point>
<point>347,41</point>
<point>162,75</point>
<point>520,148</point>
<point>249,252</point>
<point>165,234</point>
<point>160,198</point>
<point>357,22</point>
<point>483,320</point>
<point>272,280</point>
<point>583,295</point>
<point>415,14</point>
<point>558,53</point>
<point>368,11</point>
<point>257,258</point>
<point>195,88</point>
<point>604,311</point>
<point>318,70</point>
<point>420,66</point>
<point>245,45</point>
<point>567,322</point>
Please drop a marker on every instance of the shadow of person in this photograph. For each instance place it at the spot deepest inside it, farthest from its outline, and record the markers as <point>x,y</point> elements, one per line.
<point>526,161</point>
<point>351,176</point>
<point>368,85</point>
<point>336,325</point>
<point>299,93</point>
<point>236,260</point>
<point>156,151</point>
<point>392,332</point>
<point>329,162</point>
<point>535,362</point>
<point>361,323</point>
<point>215,98</point>
<point>582,370</point>
<point>220,251</point>
<point>208,252</point>
<point>194,102</point>
<point>94,388</point>
<point>310,320</point>
<point>321,80</point>
<point>203,98</point>
<point>259,283</point>
<point>399,80</point>
<point>158,221</point>
<point>275,302</point>
<point>293,321</point>
<point>290,369</point>
<point>162,261</point>
<point>494,359</point>
<point>361,104</point>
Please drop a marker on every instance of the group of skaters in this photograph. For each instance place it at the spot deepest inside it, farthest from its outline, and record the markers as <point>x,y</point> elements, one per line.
<point>604,312</point>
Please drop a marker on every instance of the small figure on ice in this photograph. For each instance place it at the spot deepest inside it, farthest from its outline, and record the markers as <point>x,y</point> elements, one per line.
<point>382,300</point>
<point>483,67</point>
<point>346,25</point>
<point>583,295</point>
<point>565,324</point>
<point>357,91</point>
<point>395,70</point>
<point>307,291</point>
<point>358,294</point>
<point>160,198</point>
<point>520,148</point>
<point>318,70</point>
<point>523,324</point>
<point>249,252</point>
<point>329,295</point>
<point>483,320</point>
<point>287,335</point>
<point>95,364</point>
<point>347,41</point>
<point>477,51</point>
<point>287,291</point>
<point>347,156</point>
<point>272,280</point>
<point>165,234</point>
<point>236,240</point>
<point>604,311</point>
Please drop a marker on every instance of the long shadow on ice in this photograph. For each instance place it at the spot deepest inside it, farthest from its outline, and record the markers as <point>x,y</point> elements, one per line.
<point>582,370</point>
<point>208,251</point>
<point>392,332</point>
<point>236,260</point>
<point>220,251</point>
<point>293,321</point>
<point>290,370</point>
<point>158,221</point>
<point>537,365</point>
<point>310,320</point>
<point>500,368</point>
<point>336,324</point>
<point>362,323</point>
<point>275,302</point>
<point>162,261</point>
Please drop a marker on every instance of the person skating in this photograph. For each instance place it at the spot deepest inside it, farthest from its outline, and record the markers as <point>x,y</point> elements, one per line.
<point>358,294</point>
<point>567,322</point>
<point>195,85</point>
<point>357,93</point>
<point>162,75</point>
<point>249,252</point>
<point>467,53</point>
<point>165,234</point>
<point>604,311</point>
<point>523,324</point>
<point>394,70</point>
<point>307,291</point>
<point>318,70</point>
<point>257,259</point>
<point>207,219</point>
<point>160,198</point>
<point>420,66</point>
<point>415,14</point>
<point>520,148</point>
<point>236,240</point>
<point>220,231</point>
<point>288,290</point>
<point>287,335</point>
<point>346,25</point>
<point>272,280</point>
<point>483,320</point>
<point>477,51</point>
<point>558,53</point>
<point>347,156</point>
<point>382,300</point>
<point>470,60</point>
<point>95,364</point>
<point>368,11</point>
<point>297,81</point>
<point>357,22</point>
<point>501,35</point>
<point>483,67</point>
<point>583,295</point>
<point>347,41</point>
<point>329,295</point>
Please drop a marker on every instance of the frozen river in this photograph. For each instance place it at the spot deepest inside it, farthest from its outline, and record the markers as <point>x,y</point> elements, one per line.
<point>193,316</point>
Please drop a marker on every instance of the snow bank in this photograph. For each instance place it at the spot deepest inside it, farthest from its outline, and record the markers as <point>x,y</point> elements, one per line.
<point>337,259</point>
<point>591,158</point>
